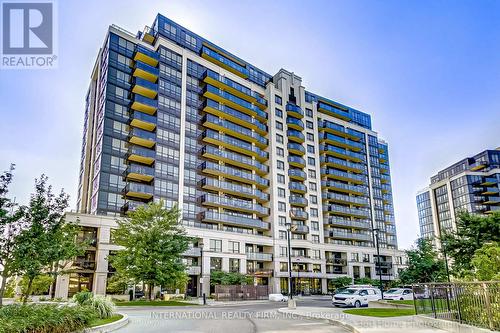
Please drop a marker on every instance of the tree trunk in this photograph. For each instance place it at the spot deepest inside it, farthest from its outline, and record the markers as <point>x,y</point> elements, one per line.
<point>28,291</point>
<point>2,286</point>
<point>150,290</point>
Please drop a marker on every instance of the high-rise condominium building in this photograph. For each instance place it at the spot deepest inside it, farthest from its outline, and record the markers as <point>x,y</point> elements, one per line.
<point>170,116</point>
<point>471,184</point>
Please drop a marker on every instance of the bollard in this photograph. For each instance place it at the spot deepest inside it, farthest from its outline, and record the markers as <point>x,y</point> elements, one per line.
<point>204,299</point>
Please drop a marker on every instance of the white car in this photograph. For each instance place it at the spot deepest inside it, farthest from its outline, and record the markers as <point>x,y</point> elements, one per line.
<point>399,294</point>
<point>278,298</point>
<point>356,297</point>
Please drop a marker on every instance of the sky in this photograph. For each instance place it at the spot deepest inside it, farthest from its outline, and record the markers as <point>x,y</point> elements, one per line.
<point>428,72</point>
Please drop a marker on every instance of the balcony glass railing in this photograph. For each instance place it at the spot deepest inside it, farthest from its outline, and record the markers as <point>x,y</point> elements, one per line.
<point>235,188</point>
<point>339,128</point>
<point>346,210</point>
<point>329,109</point>
<point>220,58</point>
<point>343,141</point>
<point>296,134</point>
<point>235,172</point>
<point>296,200</point>
<point>345,198</point>
<point>334,220</point>
<point>336,261</point>
<point>147,68</point>
<point>140,133</point>
<point>342,174</point>
<point>341,151</point>
<point>140,169</point>
<point>236,128</point>
<point>235,157</point>
<point>239,101</point>
<point>299,214</point>
<point>237,114</point>
<point>148,52</point>
<point>352,235</point>
<point>296,160</point>
<point>139,188</point>
<point>295,109</point>
<point>234,203</point>
<point>146,84</point>
<point>297,186</point>
<point>346,187</point>
<point>144,100</point>
<point>143,117</point>
<point>297,147</point>
<point>300,228</point>
<point>296,122</point>
<point>136,150</point>
<point>259,256</point>
<point>234,219</point>
<point>236,143</point>
<point>297,173</point>
<point>341,162</point>
<point>229,82</point>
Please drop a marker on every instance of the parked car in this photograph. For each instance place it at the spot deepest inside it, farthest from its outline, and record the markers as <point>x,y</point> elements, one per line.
<point>399,294</point>
<point>278,298</point>
<point>356,297</point>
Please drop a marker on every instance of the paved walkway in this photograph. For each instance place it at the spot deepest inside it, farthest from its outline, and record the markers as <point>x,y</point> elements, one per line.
<point>362,324</point>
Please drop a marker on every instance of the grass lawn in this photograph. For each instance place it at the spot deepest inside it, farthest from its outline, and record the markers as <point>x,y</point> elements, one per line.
<point>154,303</point>
<point>99,322</point>
<point>408,302</point>
<point>381,312</point>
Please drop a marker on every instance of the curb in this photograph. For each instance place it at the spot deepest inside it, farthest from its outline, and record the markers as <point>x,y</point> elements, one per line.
<point>335,322</point>
<point>109,327</point>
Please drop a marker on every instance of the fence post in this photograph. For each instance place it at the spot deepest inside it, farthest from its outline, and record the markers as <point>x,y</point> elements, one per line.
<point>433,306</point>
<point>457,301</point>
<point>414,299</point>
<point>488,306</point>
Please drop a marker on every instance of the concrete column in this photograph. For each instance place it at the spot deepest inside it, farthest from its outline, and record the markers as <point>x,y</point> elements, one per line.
<point>324,286</point>
<point>275,284</point>
<point>99,284</point>
<point>62,286</point>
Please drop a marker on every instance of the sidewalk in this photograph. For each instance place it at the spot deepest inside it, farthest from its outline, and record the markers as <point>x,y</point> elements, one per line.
<point>362,324</point>
<point>211,302</point>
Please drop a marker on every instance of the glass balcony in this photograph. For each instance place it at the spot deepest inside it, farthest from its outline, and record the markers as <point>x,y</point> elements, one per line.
<point>192,252</point>
<point>342,164</point>
<point>144,104</point>
<point>298,214</point>
<point>386,189</point>
<point>141,155</point>
<point>147,56</point>
<point>248,222</point>
<point>490,191</point>
<point>349,235</point>
<point>142,120</point>
<point>235,204</point>
<point>333,128</point>
<point>146,71</point>
<point>333,111</point>
<point>297,201</point>
<point>259,256</point>
<point>342,153</point>
<point>296,136</point>
<point>294,110</point>
<point>345,199</point>
<point>341,142</point>
<point>297,187</point>
<point>139,173</point>
<point>139,191</point>
<point>233,173</point>
<point>385,179</point>
<point>296,161</point>
<point>141,137</point>
<point>235,116</point>
<point>344,210</point>
<point>342,175</point>
<point>231,86</point>
<point>342,187</point>
<point>235,189</point>
<point>149,35</point>
<point>488,181</point>
<point>235,159</point>
<point>336,261</point>
<point>297,174</point>
<point>224,62</point>
<point>299,228</point>
<point>479,165</point>
<point>296,148</point>
<point>144,87</point>
<point>295,123</point>
<point>235,144</point>
<point>131,206</point>
<point>235,130</point>
<point>344,222</point>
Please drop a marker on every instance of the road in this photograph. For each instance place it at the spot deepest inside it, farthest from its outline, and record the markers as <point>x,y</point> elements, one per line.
<point>243,318</point>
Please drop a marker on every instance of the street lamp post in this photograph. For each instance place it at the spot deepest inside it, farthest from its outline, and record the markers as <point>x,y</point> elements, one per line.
<point>202,294</point>
<point>375,232</point>
<point>291,301</point>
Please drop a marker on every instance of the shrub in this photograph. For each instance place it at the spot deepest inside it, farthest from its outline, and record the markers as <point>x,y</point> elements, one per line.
<point>82,297</point>
<point>44,318</point>
<point>102,306</point>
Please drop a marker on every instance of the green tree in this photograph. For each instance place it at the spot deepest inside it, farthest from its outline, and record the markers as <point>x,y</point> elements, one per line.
<point>471,233</point>
<point>229,278</point>
<point>153,240</point>
<point>39,286</point>
<point>424,265</point>
<point>340,282</point>
<point>486,262</point>
<point>46,237</point>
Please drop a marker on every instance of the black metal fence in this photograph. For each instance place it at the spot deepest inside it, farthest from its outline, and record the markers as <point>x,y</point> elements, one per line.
<point>472,303</point>
<point>241,292</point>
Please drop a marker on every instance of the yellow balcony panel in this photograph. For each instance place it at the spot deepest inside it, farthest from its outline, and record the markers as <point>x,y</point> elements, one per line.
<point>210,80</point>
<point>141,159</point>
<point>139,195</point>
<point>235,148</point>
<point>138,72</point>
<point>382,160</point>
<point>145,58</point>
<point>341,166</point>
<point>228,176</point>
<point>143,107</point>
<point>384,181</point>
<point>339,144</point>
<point>478,167</point>
<point>237,120</point>
<point>138,89</point>
<point>141,142</point>
<point>236,134</point>
<point>148,38</point>
<point>139,177</point>
<point>143,125</point>
<point>223,65</point>
<point>230,103</point>
<point>229,191</point>
<point>233,162</point>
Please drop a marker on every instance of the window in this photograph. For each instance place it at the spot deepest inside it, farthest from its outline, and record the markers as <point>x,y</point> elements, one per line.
<point>216,245</point>
<point>281,220</point>
<point>316,254</point>
<point>234,265</point>
<point>279,125</point>
<point>315,238</point>
<point>310,149</point>
<point>315,226</point>
<point>279,138</point>
<point>282,234</point>
<point>310,136</point>
<point>281,179</point>
<point>309,112</point>
<point>281,192</point>
<point>215,264</point>
<point>355,257</point>
<point>309,124</point>
<point>314,199</point>
<point>314,212</point>
<point>283,251</point>
<point>312,173</point>
<point>313,186</point>
<point>280,165</point>
<point>311,161</point>
<point>278,113</point>
<point>234,247</point>
<point>280,151</point>
<point>281,206</point>
<point>283,266</point>
<point>278,100</point>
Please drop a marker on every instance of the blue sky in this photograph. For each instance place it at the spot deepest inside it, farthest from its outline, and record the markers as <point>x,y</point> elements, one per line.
<point>427,71</point>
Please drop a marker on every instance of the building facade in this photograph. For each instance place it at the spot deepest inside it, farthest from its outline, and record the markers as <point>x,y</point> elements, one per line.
<point>471,185</point>
<point>170,116</point>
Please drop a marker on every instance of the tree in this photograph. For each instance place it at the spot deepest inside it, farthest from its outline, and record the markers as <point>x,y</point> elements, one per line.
<point>9,228</point>
<point>471,233</point>
<point>39,286</point>
<point>340,282</point>
<point>424,265</point>
<point>46,237</point>
<point>229,278</point>
<point>486,262</point>
<point>153,240</point>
